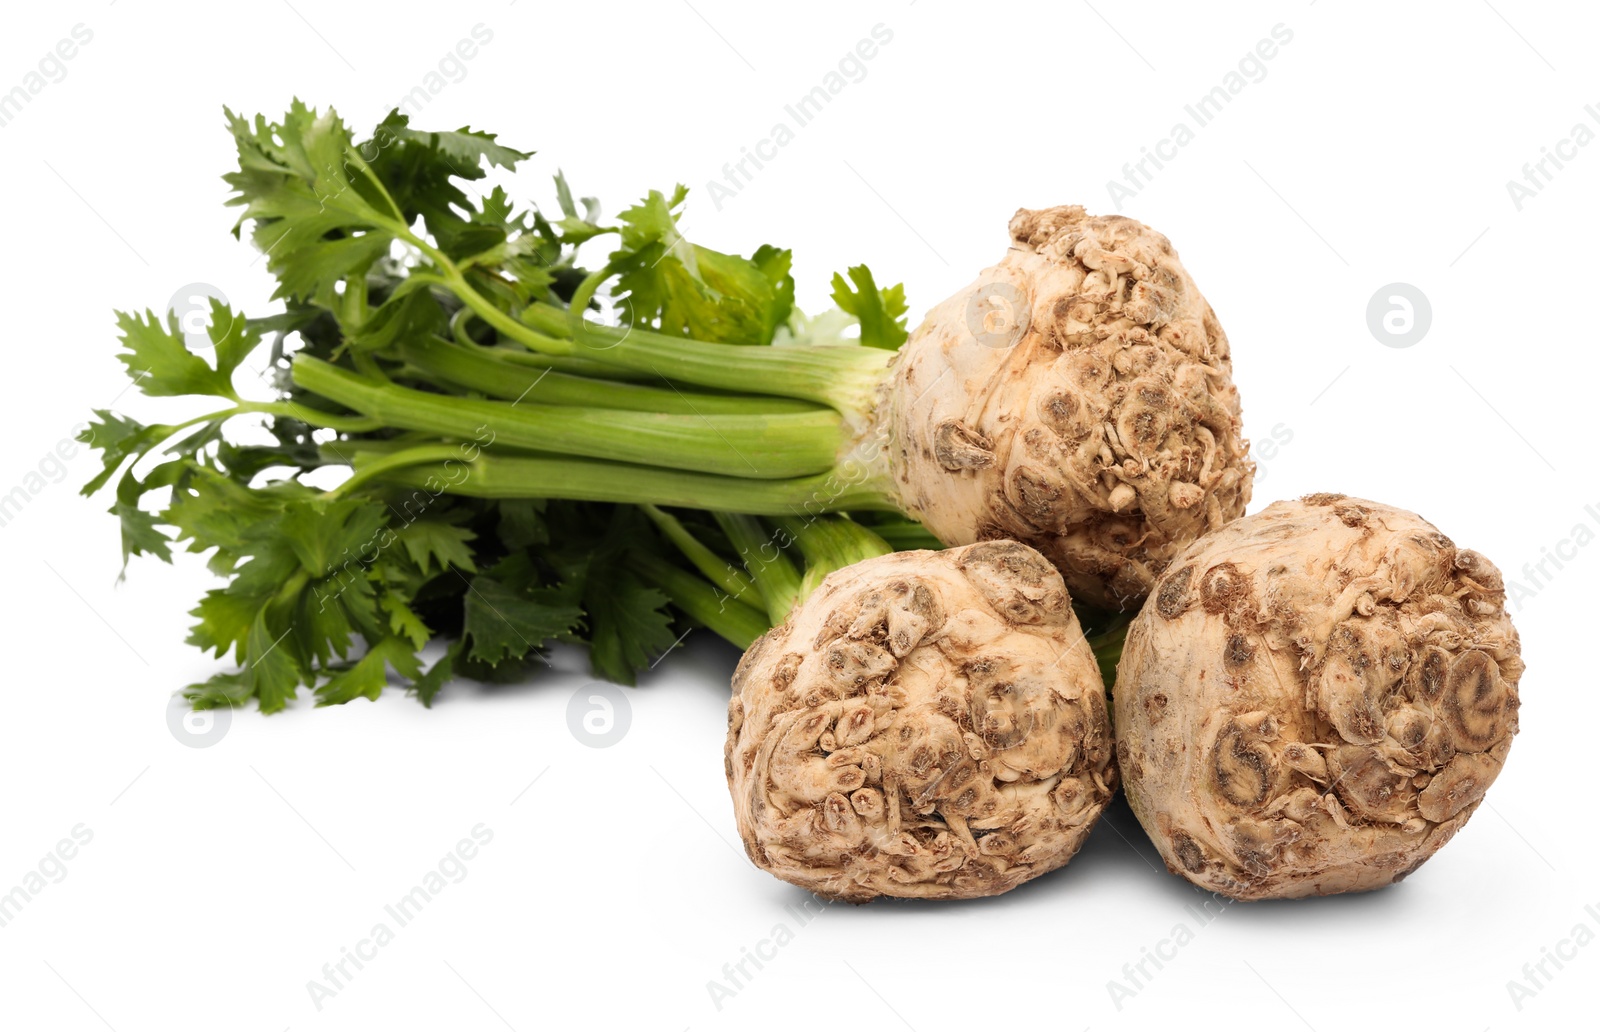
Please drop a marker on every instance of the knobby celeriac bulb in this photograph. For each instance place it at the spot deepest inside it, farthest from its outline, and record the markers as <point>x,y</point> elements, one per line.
<point>1077,397</point>
<point>1315,699</point>
<point>926,724</point>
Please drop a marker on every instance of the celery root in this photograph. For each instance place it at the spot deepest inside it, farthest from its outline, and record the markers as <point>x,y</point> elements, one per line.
<point>1315,699</point>
<point>1099,423</point>
<point>925,724</point>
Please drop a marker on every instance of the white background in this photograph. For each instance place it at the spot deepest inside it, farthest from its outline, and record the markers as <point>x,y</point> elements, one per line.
<point>1377,149</point>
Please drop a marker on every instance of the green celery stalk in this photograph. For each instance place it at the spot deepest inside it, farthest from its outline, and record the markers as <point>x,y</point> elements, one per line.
<point>775,446</point>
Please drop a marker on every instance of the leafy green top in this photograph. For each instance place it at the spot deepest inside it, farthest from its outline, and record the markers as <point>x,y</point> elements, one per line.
<point>360,236</point>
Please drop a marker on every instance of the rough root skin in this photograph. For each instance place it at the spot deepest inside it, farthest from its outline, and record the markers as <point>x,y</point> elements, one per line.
<point>1107,435</point>
<point>1316,699</point>
<point>927,724</point>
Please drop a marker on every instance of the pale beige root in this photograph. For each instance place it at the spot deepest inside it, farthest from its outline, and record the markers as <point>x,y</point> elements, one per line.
<point>1315,699</point>
<point>926,724</point>
<point>1106,435</point>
